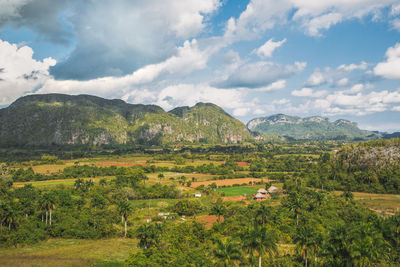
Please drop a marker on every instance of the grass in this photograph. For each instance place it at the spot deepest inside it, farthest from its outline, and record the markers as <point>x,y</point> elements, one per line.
<point>67,182</point>
<point>70,252</point>
<point>381,203</point>
<point>237,190</point>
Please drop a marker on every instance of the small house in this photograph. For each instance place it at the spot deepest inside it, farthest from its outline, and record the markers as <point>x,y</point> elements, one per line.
<point>273,189</point>
<point>197,195</point>
<point>262,191</point>
<point>260,196</point>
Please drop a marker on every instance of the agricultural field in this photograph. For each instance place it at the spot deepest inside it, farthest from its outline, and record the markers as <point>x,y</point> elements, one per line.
<point>109,202</point>
<point>237,191</point>
<point>70,252</point>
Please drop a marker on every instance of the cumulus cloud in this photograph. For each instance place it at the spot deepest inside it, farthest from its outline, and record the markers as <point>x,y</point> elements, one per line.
<point>337,77</point>
<point>395,24</point>
<point>41,16</point>
<point>189,94</point>
<point>308,92</point>
<point>20,73</point>
<point>312,15</point>
<point>280,84</point>
<point>268,48</point>
<point>189,58</point>
<point>323,22</point>
<point>352,67</point>
<point>346,102</point>
<point>259,16</point>
<point>260,74</point>
<point>390,69</point>
<point>315,15</point>
<point>118,37</point>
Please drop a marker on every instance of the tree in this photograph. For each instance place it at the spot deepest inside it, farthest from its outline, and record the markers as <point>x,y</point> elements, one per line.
<point>260,239</point>
<point>160,176</point>
<point>306,239</point>
<point>47,203</point>
<point>261,213</point>
<point>295,203</point>
<point>124,208</point>
<point>103,182</point>
<point>218,209</point>
<point>147,234</point>
<point>228,252</point>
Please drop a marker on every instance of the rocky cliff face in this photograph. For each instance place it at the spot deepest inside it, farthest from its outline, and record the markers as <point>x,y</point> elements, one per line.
<point>43,120</point>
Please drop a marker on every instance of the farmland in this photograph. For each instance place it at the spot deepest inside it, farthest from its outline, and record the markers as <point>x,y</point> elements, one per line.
<point>158,191</point>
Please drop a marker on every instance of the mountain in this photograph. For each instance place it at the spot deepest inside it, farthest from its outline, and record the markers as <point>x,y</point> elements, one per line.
<point>43,120</point>
<point>310,128</point>
<point>392,135</point>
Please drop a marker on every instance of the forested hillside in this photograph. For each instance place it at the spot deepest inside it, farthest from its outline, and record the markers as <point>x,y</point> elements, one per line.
<point>372,166</point>
<point>55,119</point>
<point>311,128</point>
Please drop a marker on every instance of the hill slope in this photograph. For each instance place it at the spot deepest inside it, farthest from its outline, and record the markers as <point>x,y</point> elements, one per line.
<point>44,120</point>
<point>311,128</point>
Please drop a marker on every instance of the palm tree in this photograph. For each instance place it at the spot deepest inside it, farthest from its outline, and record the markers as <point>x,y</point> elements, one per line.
<point>219,209</point>
<point>144,179</point>
<point>259,239</point>
<point>228,252</point>
<point>368,245</point>
<point>124,208</point>
<point>295,203</point>
<point>47,203</point>
<point>262,212</point>
<point>160,176</point>
<point>307,240</point>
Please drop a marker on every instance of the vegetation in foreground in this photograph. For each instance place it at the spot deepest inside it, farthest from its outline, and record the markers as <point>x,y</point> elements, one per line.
<point>150,210</point>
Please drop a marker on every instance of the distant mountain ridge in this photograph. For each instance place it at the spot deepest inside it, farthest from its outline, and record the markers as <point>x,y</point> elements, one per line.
<point>309,128</point>
<point>43,120</point>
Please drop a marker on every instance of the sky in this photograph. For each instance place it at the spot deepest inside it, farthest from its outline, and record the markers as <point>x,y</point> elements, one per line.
<point>254,58</point>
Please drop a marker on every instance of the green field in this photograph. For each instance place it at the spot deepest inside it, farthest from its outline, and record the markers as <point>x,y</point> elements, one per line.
<point>237,190</point>
<point>70,252</point>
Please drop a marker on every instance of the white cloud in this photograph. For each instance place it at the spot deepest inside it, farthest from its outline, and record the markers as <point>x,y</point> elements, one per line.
<point>188,59</point>
<point>308,92</point>
<point>390,69</point>
<point>190,94</point>
<point>342,82</point>
<point>260,74</point>
<point>395,24</point>
<point>352,67</point>
<point>258,111</point>
<point>312,15</point>
<point>115,38</point>
<point>280,84</point>
<point>259,16</point>
<point>240,112</point>
<point>335,77</point>
<point>358,88</point>
<point>323,22</point>
<point>19,72</point>
<point>395,10</point>
<point>316,15</point>
<point>342,102</point>
<point>385,127</point>
<point>282,101</point>
<point>268,48</point>
<point>316,78</point>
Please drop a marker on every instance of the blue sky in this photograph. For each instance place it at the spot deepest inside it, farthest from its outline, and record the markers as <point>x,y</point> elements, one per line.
<point>334,58</point>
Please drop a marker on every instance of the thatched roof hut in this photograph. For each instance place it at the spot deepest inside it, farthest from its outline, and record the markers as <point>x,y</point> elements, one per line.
<point>273,189</point>
<point>262,191</point>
